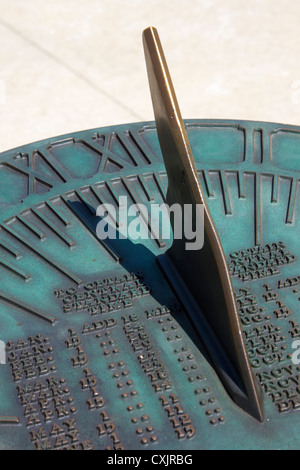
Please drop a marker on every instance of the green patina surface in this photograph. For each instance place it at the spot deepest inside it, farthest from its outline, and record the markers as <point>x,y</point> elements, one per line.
<point>148,383</point>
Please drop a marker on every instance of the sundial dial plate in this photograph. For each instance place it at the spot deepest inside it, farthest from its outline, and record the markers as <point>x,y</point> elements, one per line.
<point>100,352</point>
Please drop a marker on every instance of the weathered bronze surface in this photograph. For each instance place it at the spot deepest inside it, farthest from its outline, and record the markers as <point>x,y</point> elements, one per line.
<point>100,351</point>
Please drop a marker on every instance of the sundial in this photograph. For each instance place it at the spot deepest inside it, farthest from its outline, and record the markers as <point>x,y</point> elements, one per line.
<point>139,343</point>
